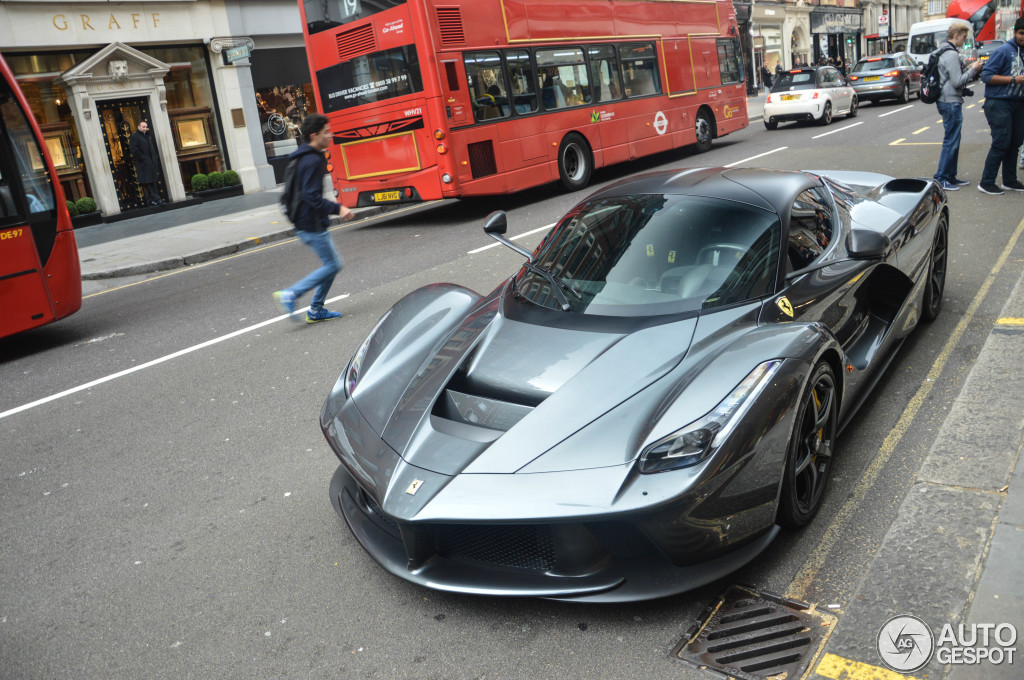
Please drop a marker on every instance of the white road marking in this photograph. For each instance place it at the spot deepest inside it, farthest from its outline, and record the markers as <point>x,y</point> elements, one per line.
<point>910,106</point>
<point>766,153</point>
<point>511,238</point>
<point>826,134</point>
<point>154,362</point>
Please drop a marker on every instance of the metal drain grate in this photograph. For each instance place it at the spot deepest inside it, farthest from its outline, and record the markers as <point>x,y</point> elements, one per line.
<point>756,636</point>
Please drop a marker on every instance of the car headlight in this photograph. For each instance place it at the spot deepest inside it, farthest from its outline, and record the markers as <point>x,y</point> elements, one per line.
<point>695,442</point>
<point>353,371</point>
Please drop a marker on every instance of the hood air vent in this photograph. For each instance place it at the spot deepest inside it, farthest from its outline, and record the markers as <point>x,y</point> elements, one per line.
<point>356,42</point>
<point>449,19</point>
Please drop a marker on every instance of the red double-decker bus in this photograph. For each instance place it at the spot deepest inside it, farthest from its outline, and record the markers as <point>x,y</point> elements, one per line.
<point>40,277</point>
<point>432,99</point>
<point>982,14</point>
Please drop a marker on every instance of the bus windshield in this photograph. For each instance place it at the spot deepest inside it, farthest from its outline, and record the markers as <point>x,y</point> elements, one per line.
<point>322,15</point>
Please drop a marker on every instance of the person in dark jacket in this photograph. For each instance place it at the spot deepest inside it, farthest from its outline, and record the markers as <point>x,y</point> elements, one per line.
<point>311,221</point>
<point>1004,108</point>
<point>147,163</point>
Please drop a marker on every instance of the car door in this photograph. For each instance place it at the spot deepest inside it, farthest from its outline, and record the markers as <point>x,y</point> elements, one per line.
<point>913,72</point>
<point>842,94</point>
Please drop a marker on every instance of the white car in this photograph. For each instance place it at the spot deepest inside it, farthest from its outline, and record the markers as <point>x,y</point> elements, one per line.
<point>809,93</point>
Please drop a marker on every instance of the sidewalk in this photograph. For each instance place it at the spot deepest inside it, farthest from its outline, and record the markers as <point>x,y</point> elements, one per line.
<point>185,236</point>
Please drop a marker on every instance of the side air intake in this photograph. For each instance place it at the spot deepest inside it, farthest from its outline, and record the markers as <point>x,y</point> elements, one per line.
<point>449,20</point>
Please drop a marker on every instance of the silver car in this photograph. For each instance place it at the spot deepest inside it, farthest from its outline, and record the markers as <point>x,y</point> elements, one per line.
<point>814,93</point>
<point>886,76</point>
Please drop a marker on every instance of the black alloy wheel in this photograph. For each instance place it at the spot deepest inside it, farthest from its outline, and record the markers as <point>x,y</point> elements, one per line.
<point>575,163</point>
<point>809,458</point>
<point>904,95</point>
<point>936,283</point>
<point>826,115</point>
<point>771,123</point>
<point>705,131</point>
<point>853,107</point>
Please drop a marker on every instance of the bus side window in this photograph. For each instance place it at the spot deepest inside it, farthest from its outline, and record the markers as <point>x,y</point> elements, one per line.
<point>604,73</point>
<point>639,69</point>
<point>487,85</point>
<point>521,75</point>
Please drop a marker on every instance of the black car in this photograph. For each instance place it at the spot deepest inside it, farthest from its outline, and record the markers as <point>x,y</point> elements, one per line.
<point>886,76</point>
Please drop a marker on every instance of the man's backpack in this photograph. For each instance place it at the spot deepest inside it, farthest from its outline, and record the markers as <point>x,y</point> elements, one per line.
<point>291,198</point>
<point>931,83</point>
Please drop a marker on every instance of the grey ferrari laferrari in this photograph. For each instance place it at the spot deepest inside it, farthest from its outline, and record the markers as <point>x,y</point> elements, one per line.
<point>640,408</point>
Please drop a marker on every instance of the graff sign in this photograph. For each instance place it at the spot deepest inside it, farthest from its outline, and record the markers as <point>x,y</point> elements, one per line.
<point>835,22</point>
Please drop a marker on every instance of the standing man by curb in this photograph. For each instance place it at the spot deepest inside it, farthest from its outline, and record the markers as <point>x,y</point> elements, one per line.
<point>312,218</point>
<point>953,77</point>
<point>1004,108</point>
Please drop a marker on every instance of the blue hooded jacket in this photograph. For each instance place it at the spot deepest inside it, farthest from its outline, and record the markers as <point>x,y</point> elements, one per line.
<point>314,210</point>
<point>1008,60</point>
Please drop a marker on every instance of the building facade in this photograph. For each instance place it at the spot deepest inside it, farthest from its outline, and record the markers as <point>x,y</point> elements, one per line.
<point>222,84</point>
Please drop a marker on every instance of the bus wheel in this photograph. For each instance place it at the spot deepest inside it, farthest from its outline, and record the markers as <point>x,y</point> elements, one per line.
<point>574,162</point>
<point>705,131</point>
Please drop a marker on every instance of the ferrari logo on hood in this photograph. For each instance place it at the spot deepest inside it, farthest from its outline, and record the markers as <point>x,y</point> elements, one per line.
<point>785,306</point>
<point>414,487</point>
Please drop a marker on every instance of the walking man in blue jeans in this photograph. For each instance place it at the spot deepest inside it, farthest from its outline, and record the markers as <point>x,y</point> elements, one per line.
<point>1004,108</point>
<point>311,220</point>
<point>953,76</point>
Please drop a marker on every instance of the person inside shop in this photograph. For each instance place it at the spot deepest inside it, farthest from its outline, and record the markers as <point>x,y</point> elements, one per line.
<point>147,163</point>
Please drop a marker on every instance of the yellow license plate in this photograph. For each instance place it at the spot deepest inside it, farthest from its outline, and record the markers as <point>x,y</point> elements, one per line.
<point>790,97</point>
<point>870,78</point>
<point>386,196</point>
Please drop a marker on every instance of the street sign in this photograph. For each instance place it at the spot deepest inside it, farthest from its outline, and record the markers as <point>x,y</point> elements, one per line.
<point>883,31</point>
<point>236,54</point>
<point>883,20</point>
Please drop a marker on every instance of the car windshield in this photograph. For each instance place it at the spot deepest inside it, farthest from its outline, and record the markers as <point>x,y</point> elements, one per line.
<point>799,80</point>
<point>874,65</point>
<point>653,254</point>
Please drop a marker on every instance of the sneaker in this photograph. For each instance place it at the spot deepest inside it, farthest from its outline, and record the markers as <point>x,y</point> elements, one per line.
<point>948,186</point>
<point>990,189</point>
<point>285,301</point>
<point>1015,185</point>
<point>322,315</point>
<point>960,182</point>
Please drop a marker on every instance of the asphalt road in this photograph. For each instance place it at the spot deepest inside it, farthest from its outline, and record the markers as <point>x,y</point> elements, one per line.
<point>174,522</point>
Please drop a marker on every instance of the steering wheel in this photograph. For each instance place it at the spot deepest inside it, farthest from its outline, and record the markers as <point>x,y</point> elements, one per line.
<point>482,100</point>
<point>712,247</point>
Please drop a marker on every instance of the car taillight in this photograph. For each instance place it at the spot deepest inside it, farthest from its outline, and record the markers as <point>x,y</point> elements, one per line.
<point>815,95</point>
<point>768,100</point>
<point>852,78</point>
<point>892,74</point>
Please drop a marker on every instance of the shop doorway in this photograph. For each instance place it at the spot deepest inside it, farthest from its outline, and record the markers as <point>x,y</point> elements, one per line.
<point>119,119</point>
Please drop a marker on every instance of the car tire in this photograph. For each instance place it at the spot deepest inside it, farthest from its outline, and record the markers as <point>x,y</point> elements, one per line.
<point>809,456</point>
<point>826,114</point>
<point>904,96</point>
<point>936,283</point>
<point>853,107</point>
<point>771,124</point>
<point>705,130</point>
<point>575,162</point>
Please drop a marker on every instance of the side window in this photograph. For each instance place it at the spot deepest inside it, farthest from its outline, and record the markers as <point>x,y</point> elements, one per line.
<point>563,78</point>
<point>604,73</point>
<point>729,61</point>
<point>810,228</point>
<point>487,85</point>
<point>639,64</point>
<point>521,76</point>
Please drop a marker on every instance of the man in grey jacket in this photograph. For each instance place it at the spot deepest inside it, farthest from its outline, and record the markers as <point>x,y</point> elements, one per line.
<point>954,76</point>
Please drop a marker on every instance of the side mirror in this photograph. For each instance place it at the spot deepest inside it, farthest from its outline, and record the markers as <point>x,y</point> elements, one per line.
<point>497,223</point>
<point>862,244</point>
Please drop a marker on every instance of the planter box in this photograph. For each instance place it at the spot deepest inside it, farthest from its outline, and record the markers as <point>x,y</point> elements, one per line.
<point>86,220</point>
<point>214,194</point>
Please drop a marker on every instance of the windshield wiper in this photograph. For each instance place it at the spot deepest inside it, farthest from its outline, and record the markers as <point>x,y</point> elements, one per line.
<point>558,285</point>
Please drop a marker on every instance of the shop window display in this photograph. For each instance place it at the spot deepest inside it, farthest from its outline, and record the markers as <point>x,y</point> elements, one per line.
<point>282,108</point>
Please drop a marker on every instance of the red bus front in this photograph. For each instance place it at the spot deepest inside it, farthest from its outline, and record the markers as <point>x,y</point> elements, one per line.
<point>380,92</point>
<point>40,276</point>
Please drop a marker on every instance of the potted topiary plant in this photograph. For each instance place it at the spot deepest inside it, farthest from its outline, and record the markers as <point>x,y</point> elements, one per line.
<point>72,209</point>
<point>200,182</point>
<point>84,212</point>
<point>216,180</point>
<point>231,178</point>
<point>85,205</point>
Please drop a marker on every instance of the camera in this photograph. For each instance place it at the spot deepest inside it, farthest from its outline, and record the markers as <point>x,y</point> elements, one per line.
<point>967,92</point>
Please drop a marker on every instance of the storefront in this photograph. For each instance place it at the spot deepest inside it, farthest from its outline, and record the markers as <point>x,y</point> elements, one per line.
<point>284,96</point>
<point>92,71</point>
<point>837,34</point>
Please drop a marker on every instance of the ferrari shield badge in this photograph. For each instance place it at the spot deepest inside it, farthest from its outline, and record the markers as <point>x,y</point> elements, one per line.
<point>414,487</point>
<point>785,306</point>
